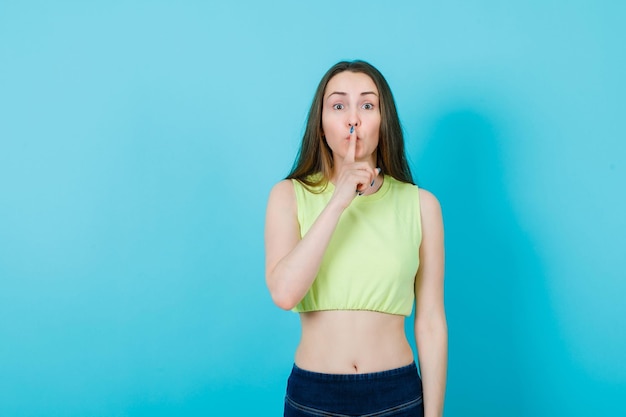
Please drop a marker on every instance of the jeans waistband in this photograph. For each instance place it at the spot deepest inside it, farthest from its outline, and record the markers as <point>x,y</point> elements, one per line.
<point>408,370</point>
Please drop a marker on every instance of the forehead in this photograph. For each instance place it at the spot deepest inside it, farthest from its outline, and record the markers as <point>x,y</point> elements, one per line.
<point>350,82</point>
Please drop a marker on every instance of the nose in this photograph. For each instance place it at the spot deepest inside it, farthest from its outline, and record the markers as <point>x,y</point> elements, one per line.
<point>353,120</point>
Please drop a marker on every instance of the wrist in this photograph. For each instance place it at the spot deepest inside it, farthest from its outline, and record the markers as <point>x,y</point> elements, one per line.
<point>335,207</point>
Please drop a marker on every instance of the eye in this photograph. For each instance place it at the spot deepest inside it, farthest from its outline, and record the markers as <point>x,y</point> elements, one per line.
<point>368,106</point>
<point>338,106</point>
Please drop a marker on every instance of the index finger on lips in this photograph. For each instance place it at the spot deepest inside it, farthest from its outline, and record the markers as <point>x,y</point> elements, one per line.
<point>351,147</point>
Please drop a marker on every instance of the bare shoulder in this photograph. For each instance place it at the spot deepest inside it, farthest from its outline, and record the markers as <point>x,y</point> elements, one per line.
<point>429,206</point>
<point>282,199</point>
<point>284,186</point>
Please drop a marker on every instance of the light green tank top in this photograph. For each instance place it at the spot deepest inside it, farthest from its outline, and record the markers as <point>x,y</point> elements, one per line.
<point>373,255</point>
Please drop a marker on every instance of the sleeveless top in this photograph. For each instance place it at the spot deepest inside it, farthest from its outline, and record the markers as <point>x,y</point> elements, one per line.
<point>373,255</point>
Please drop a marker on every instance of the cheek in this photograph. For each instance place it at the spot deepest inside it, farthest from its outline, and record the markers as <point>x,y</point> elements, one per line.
<point>372,118</point>
<point>328,118</point>
<point>375,127</point>
<point>332,128</point>
<point>326,125</point>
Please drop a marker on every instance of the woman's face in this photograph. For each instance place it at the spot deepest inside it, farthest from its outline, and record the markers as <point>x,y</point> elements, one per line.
<point>351,99</point>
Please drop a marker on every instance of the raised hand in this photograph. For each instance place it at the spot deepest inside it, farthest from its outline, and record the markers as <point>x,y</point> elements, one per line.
<point>354,177</point>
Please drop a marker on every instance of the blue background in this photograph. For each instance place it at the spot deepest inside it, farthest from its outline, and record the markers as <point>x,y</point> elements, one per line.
<point>139,141</point>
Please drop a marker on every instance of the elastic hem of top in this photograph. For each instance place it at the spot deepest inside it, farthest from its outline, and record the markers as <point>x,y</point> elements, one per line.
<point>295,310</point>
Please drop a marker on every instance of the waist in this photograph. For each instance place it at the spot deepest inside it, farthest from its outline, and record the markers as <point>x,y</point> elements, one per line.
<point>352,342</point>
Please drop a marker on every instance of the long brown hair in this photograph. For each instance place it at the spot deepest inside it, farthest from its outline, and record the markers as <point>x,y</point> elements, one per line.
<point>315,156</point>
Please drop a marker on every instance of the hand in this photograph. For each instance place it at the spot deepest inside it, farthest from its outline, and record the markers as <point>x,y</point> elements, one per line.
<point>353,177</point>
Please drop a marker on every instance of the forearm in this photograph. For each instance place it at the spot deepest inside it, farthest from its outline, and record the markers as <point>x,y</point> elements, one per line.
<point>293,275</point>
<point>432,345</point>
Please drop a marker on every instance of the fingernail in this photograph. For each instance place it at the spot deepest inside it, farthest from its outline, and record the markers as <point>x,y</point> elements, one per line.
<point>372,183</point>
<point>351,129</point>
<point>360,192</point>
<point>378,169</point>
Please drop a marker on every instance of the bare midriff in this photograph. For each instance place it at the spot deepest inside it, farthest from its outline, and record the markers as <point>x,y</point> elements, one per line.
<point>350,342</point>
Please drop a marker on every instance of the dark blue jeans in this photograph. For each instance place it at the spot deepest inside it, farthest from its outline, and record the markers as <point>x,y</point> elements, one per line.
<point>396,392</point>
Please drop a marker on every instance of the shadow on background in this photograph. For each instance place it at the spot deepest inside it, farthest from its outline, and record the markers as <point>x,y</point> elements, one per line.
<point>508,354</point>
<point>485,249</point>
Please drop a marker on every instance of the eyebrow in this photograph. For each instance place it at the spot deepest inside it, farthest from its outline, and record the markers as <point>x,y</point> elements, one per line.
<point>341,93</point>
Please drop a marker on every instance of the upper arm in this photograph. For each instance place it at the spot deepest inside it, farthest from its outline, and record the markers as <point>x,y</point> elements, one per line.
<point>282,231</point>
<point>429,278</point>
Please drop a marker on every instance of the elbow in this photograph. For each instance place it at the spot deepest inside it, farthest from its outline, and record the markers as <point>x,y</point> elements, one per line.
<point>284,300</point>
<point>431,327</point>
<point>286,305</point>
<point>283,297</point>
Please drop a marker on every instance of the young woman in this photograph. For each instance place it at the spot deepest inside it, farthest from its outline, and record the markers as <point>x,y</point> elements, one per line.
<point>351,243</point>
